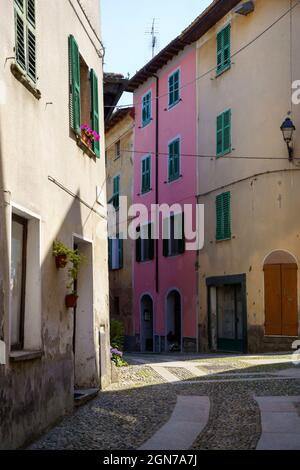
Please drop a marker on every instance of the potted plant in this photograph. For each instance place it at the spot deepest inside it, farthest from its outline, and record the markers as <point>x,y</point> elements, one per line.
<point>76,260</point>
<point>88,135</point>
<point>61,253</point>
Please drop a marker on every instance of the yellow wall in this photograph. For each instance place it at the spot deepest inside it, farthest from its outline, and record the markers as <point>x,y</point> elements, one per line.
<point>121,280</point>
<point>265,207</point>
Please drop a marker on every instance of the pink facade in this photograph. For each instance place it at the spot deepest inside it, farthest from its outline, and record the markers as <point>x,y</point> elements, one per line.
<point>175,273</point>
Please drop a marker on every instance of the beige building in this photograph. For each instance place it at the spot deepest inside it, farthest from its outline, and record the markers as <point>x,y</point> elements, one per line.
<point>249,284</point>
<point>50,84</point>
<point>119,169</point>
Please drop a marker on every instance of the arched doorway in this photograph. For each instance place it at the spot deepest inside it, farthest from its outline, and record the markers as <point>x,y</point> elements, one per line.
<point>146,323</point>
<point>173,320</point>
<point>281,306</point>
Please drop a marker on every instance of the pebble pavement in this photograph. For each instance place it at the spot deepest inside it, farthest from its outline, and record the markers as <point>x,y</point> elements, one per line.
<point>128,413</point>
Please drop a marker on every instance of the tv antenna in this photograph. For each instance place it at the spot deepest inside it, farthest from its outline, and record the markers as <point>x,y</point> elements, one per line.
<point>153,34</point>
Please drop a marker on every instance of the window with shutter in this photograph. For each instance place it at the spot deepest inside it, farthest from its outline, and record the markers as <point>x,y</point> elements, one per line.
<point>74,85</point>
<point>115,247</point>
<point>223,133</point>
<point>174,239</point>
<point>95,110</point>
<point>223,216</point>
<point>25,36</point>
<point>145,243</point>
<point>146,108</point>
<point>116,192</point>
<point>223,49</point>
<point>174,160</point>
<point>146,174</point>
<point>174,88</point>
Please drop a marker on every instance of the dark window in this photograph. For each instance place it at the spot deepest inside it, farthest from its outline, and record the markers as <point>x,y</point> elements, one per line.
<point>174,241</point>
<point>18,280</point>
<point>116,305</point>
<point>145,244</point>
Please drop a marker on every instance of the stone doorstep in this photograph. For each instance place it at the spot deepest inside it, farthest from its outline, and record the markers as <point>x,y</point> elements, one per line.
<point>82,396</point>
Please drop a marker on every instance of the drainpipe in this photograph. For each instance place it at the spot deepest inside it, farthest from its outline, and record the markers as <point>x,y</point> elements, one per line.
<point>156,178</point>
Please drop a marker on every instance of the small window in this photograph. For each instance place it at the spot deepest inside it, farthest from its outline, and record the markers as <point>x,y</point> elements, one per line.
<point>146,174</point>
<point>223,49</point>
<point>115,200</point>
<point>115,254</point>
<point>174,88</point>
<point>223,137</point>
<point>173,236</point>
<point>145,243</point>
<point>223,216</point>
<point>25,36</point>
<point>146,109</point>
<point>174,160</point>
<point>117,150</point>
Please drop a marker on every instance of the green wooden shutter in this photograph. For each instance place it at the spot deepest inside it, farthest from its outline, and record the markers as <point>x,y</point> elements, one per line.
<point>75,84</point>
<point>176,158</point>
<point>31,54</point>
<point>176,86</point>
<point>143,175</point>
<point>116,191</point>
<point>31,11</point>
<point>227,215</point>
<point>219,217</point>
<point>171,90</point>
<point>170,163</point>
<point>166,237</point>
<point>20,40</point>
<point>223,49</point>
<point>227,131</point>
<point>219,51</point>
<point>95,110</point>
<point>219,136</point>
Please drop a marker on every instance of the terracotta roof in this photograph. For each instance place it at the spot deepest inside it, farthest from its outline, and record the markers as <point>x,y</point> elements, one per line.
<point>206,20</point>
<point>118,116</point>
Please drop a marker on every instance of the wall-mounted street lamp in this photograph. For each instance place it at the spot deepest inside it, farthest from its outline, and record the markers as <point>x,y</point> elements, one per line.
<point>288,129</point>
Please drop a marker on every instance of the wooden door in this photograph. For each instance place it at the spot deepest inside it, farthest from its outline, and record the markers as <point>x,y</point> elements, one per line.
<point>281,312</point>
<point>272,299</point>
<point>289,300</point>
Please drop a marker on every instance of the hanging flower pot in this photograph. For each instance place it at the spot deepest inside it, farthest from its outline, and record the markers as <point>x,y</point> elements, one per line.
<point>61,261</point>
<point>71,300</point>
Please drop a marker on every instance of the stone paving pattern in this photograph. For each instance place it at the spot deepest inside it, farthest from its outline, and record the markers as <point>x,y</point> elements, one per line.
<point>129,413</point>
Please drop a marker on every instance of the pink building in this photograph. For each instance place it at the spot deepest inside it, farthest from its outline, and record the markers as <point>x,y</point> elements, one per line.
<point>165,171</point>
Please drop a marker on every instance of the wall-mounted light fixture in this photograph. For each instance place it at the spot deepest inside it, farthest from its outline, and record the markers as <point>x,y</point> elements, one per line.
<point>288,129</point>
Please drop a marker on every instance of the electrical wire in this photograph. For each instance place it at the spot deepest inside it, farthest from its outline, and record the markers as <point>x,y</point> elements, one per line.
<point>215,67</point>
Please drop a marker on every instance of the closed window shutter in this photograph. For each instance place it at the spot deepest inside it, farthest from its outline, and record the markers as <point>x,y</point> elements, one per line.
<point>219,217</point>
<point>74,84</point>
<point>31,11</point>
<point>31,54</point>
<point>171,90</point>
<point>219,138</point>
<point>227,131</point>
<point>176,86</point>
<point>143,175</point>
<point>219,50</point>
<point>171,151</point>
<point>95,110</point>
<point>20,40</point>
<point>226,46</point>
<point>166,237</point>
<point>227,215</point>
<point>176,158</point>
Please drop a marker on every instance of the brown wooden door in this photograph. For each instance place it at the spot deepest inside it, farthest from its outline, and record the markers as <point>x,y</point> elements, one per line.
<point>272,299</point>
<point>281,312</point>
<point>289,300</point>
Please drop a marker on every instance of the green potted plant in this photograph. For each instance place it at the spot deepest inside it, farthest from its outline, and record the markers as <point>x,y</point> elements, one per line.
<point>61,253</point>
<point>76,260</point>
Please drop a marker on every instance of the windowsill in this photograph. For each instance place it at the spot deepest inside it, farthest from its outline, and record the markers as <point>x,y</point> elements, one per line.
<point>18,356</point>
<point>145,124</point>
<point>171,106</point>
<point>113,270</point>
<point>174,179</point>
<point>223,240</point>
<point>86,149</point>
<point>143,193</point>
<point>221,71</point>
<point>21,76</point>
<point>227,152</point>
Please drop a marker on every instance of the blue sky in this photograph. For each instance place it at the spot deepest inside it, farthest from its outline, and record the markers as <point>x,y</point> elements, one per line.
<point>124,24</point>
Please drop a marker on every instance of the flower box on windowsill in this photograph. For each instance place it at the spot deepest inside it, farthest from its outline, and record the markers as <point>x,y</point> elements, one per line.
<point>85,147</point>
<point>21,76</point>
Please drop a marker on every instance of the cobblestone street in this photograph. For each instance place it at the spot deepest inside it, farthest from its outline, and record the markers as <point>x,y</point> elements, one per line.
<point>129,413</point>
